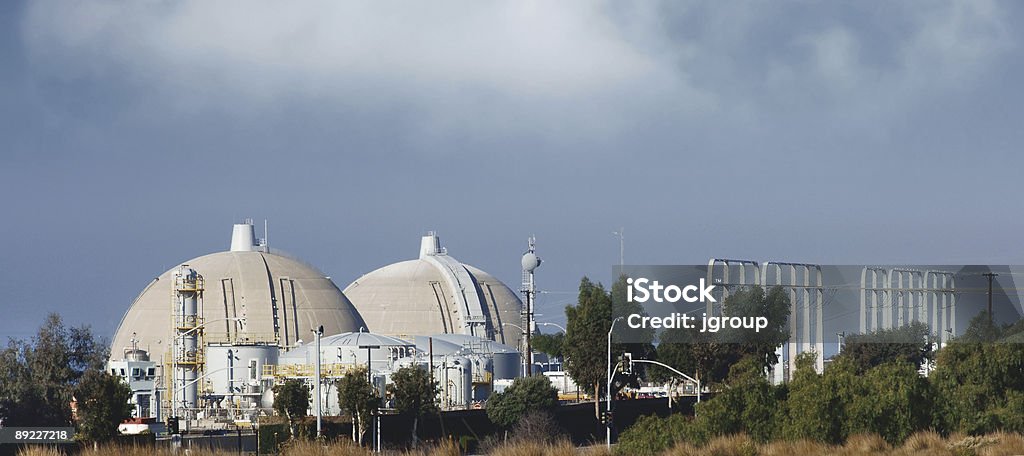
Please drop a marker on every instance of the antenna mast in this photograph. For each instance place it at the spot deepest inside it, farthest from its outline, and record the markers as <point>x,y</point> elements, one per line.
<point>530,262</point>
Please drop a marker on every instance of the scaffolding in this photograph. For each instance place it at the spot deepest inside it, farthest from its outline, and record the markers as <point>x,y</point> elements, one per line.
<point>187,358</point>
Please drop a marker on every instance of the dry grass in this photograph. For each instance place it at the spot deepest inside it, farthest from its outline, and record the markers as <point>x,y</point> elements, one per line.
<point>343,447</point>
<point>925,444</point>
<point>121,450</point>
<point>683,449</point>
<point>731,445</point>
<point>1005,444</point>
<point>536,449</point>
<point>40,451</point>
<point>787,448</point>
<point>864,444</point>
<point>920,444</point>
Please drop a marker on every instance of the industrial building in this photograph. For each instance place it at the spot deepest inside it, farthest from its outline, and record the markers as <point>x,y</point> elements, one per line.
<point>341,354</point>
<point>436,294</point>
<point>251,295</point>
<point>207,340</point>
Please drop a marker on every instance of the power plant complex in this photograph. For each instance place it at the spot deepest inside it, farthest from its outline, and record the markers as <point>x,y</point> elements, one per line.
<point>206,341</point>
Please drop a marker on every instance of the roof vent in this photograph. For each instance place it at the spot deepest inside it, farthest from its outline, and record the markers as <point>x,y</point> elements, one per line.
<point>243,237</point>
<point>430,245</point>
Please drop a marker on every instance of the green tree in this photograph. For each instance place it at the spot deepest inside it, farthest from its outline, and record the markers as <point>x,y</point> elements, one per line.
<point>1013,332</point>
<point>525,395</point>
<point>551,344</point>
<point>38,376</point>
<point>358,398</point>
<point>291,399</point>
<point>415,394</point>
<point>747,404</point>
<point>981,329</point>
<point>891,400</point>
<point>907,344</point>
<point>103,403</point>
<point>652,435</point>
<point>586,339</point>
<point>816,407</point>
<point>894,402</point>
<point>711,356</point>
<point>979,387</point>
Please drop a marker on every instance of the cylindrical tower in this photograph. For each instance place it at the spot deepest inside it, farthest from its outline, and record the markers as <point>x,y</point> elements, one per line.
<point>187,358</point>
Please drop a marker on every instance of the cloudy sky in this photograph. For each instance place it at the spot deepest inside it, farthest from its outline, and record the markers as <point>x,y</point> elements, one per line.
<point>133,134</point>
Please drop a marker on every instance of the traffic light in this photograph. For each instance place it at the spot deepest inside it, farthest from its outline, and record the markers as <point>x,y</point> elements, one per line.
<point>607,417</point>
<point>627,363</point>
<point>172,425</point>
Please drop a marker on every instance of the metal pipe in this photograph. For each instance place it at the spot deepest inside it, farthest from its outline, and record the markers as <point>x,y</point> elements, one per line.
<point>319,332</point>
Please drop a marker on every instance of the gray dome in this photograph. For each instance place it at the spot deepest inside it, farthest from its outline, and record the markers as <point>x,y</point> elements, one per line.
<point>447,344</point>
<point>356,339</point>
<point>345,348</point>
<point>280,298</point>
<point>436,294</point>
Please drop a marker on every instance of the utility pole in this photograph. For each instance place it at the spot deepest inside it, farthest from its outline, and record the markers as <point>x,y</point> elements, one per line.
<point>990,275</point>
<point>319,413</point>
<point>369,379</point>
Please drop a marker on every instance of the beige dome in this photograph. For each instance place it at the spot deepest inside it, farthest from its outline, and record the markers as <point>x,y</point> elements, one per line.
<point>281,299</point>
<point>436,294</point>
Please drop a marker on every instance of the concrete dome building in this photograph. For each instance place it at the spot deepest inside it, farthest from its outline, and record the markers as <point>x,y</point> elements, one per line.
<point>436,294</point>
<point>278,297</point>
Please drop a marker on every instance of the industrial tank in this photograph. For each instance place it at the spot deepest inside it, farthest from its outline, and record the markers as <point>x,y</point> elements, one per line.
<point>235,372</point>
<point>454,376</point>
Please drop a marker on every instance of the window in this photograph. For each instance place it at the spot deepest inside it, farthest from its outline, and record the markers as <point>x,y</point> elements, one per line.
<point>151,372</point>
<point>136,372</point>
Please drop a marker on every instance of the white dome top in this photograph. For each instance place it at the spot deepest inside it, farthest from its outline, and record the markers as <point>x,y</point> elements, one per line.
<point>357,339</point>
<point>436,294</point>
<point>280,298</point>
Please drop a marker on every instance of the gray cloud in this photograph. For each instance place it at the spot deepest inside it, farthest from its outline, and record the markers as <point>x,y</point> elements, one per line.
<point>568,71</point>
<point>833,132</point>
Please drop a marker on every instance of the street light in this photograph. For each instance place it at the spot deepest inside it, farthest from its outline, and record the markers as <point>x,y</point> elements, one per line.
<point>555,325</point>
<point>369,379</point>
<point>565,381</point>
<point>608,390</point>
<point>319,332</point>
<point>621,233</point>
<point>564,331</point>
